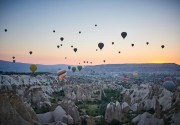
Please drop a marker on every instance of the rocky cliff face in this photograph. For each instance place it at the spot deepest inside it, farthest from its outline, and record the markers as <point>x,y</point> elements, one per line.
<point>116,111</point>
<point>14,112</point>
<point>71,109</point>
<point>147,119</point>
<point>56,117</point>
<point>162,103</point>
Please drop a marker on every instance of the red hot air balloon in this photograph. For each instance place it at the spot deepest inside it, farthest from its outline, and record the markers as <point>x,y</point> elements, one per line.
<point>61,74</point>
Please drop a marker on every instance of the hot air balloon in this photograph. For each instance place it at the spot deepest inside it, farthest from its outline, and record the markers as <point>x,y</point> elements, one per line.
<point>169,85</point>
<point>61,38</point>
<point>104,61</point>
<point>79,68</point>
<point>61,74</point>
<point>84,61</point>
<point>61,44</point>
<point>123,34</point>
<point>87,62</point>
<point>65,57</point>
<point>79,32</point>
<point>91,62</point>
<point>147,43</point>
<point>119,52</point>
<point>58,46</point>
<point>75,49</point>
<point>53,31</point>
<point>96,50</point>
<point>13,57</point>
<point>73,69</point>
<point>79,63</point>
<point>69,67</point>
<point>33,68</point>
<point>162,46</point>
<point>14,60</point>
<point>71,46</point>
<point>101,45</point>
<point>125,79</point>
<point>5,30</point>
<point>112,43</point>
<point>30,52</point>
<point>167,79</point>
<point>135,74</point>
<point>95,24</point>
<point>132,45</point>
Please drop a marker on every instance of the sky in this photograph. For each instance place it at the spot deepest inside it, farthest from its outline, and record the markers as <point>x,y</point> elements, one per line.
<point>30,25</point>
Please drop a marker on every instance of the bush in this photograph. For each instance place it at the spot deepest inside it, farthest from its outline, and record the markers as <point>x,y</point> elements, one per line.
<point>43,109</point>
<point>84,122</point>
<point>151,111</point>
<point>114,122</point>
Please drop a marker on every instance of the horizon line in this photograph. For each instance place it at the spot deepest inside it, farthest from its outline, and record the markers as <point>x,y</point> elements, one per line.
<point>94,64</point>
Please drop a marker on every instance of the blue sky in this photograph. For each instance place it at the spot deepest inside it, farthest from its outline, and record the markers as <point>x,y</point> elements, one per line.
<point>30,25</point>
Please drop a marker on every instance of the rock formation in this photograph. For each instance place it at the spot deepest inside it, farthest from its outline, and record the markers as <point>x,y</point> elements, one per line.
<point>14,112</point>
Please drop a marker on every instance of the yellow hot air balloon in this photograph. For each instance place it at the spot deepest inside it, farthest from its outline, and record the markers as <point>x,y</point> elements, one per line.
<point>61,74</point>
<point>33,68</point>
<point>135,74</point>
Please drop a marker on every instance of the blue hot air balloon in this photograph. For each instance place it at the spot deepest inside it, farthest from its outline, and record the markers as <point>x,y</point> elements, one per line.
<point>169,85</point>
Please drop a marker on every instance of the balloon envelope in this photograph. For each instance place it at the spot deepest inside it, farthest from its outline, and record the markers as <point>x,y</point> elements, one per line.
<point>75,49</point>
<point>123,34</point>
<point>33,68</point>
<point>69,67</point>
<point>79,68</point>
<point>73,69</point>
<point>61,74</point>
<point>167,79</point>
<point>101,45</point>
<point>125,79</point>
<point>135,74</point>
<point>61,38</point>
<point>169,85</point>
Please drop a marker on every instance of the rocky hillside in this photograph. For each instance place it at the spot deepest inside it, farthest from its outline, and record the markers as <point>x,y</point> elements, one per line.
<point>146,105</point>
<point>24,67</point>
<point>14,112</point>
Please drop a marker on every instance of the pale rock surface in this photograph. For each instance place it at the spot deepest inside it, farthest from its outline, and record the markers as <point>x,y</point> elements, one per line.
<point>147,119</point>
